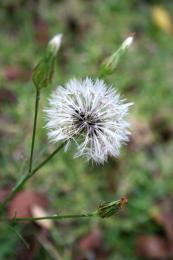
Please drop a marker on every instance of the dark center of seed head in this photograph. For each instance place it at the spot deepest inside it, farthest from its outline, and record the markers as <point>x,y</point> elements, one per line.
<point>88,120</point>
<point>85,118</point>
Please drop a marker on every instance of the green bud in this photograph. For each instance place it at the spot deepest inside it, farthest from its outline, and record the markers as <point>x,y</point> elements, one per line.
<point>109,209</point>
<point>110,63</point>
<point>43,71</point>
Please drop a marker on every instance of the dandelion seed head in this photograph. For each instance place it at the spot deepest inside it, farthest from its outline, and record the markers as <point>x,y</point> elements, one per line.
<point>90,114</point>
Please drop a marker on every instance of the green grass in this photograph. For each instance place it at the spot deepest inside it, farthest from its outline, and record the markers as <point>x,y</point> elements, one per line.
<point>92,31</point>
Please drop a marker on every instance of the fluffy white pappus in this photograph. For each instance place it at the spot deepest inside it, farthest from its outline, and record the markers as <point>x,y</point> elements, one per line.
<point>91,114</point>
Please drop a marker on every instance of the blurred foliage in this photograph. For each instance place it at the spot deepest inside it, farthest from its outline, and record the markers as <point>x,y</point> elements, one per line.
<point>92,30</point>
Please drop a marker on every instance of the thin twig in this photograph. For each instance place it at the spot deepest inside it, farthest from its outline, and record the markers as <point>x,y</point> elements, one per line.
<point>53,217</point>
<point>34,127</point>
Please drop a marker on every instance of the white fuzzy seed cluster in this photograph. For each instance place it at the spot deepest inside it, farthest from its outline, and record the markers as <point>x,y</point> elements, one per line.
<point>90,114</point>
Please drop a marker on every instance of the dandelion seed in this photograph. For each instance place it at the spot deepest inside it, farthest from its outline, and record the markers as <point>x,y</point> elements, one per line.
<point>90,114</point>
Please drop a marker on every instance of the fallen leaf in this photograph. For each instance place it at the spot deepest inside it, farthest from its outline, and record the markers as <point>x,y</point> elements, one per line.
<point>7,96</point>
<point>150,246</point>
<point>23,202</point>
<point>91,241</point>
<point>162,19</point>
<point>38,211</point>
<point>16,73</point>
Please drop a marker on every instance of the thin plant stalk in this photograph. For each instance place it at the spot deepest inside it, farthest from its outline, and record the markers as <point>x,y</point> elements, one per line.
<point>53,217</point>
<point>105,210</point>
<point>34,127</point>
<point>19,185</point>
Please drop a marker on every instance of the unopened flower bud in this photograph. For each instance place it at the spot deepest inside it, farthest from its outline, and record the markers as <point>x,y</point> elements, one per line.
<point>55,43</point>
<point>110,63</point>
<point>43,72</point>
<point>127,42</point>
<point>109,209</point>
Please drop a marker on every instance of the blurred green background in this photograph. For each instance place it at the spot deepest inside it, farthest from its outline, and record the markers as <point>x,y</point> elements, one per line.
<point>92,30</point>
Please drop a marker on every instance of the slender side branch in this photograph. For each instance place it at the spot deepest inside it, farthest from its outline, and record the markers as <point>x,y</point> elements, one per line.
<point>54,217</point>
<point>105,210</point>
<point>19,185</point>
<point>34,128</point>
<point>47,159</point>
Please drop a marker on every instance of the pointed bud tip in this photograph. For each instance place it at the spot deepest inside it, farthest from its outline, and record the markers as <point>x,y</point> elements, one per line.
<point>123,201</point>
<point>128,41</point>
<point>43,71</point>
<point>55,42</point>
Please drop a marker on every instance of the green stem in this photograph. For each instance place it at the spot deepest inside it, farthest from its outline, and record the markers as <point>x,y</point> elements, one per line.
<point>34,128</point>
<point>19,185</point>
<point>47,159</point>
<point>54,217</point>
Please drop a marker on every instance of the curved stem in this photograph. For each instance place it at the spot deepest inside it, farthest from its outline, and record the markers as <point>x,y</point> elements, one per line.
<point>19,185</point>
<point>34,128</point>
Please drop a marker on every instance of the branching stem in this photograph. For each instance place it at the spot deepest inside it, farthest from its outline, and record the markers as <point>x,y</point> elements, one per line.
<point>19,185</point>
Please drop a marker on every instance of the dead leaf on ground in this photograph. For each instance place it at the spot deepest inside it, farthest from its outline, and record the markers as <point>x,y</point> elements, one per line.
<point>91,241</point>
<point>152,247</point>
<point>38,211</point>
<point>92,244</point>
<point>7,96</point>
<point>23,202</point>
<point>16,73</point>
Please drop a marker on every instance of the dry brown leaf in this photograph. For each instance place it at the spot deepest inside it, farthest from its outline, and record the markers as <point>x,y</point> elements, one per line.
<point>16,73</point>
<point>7,96</point>
<point>38,211</point>
<point>162,19</point>
<point>150,246</point>
<point>22,203</point>
<point>91,241</point>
